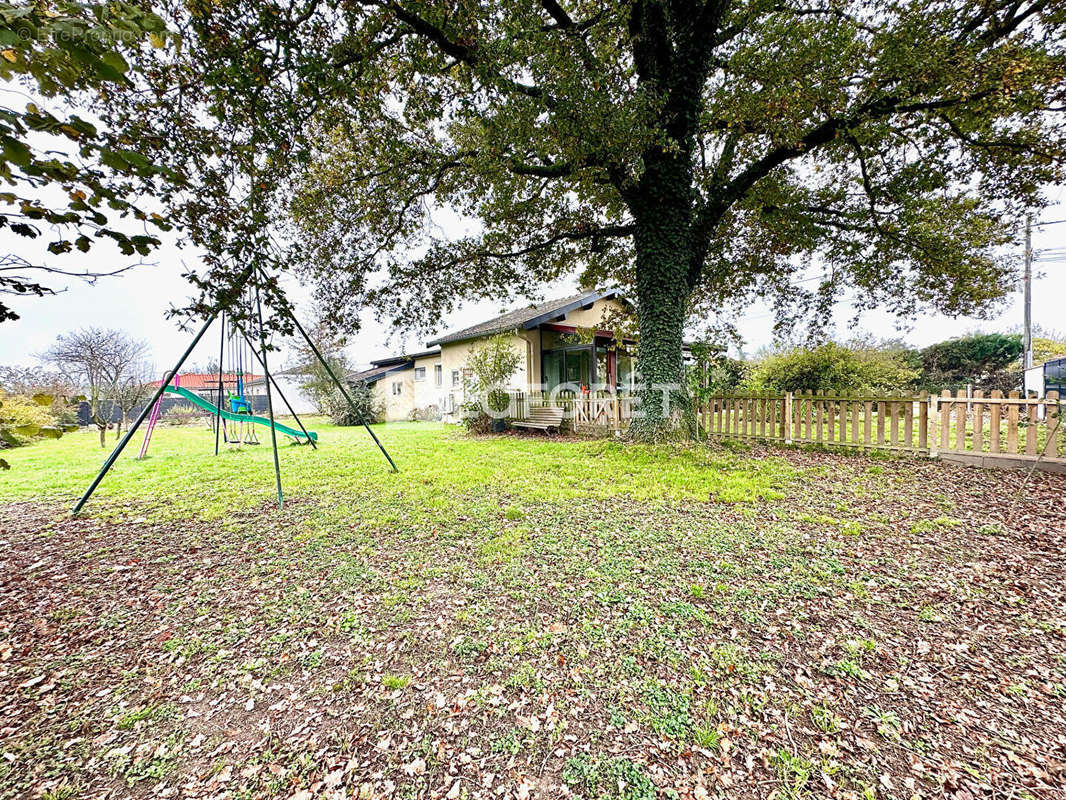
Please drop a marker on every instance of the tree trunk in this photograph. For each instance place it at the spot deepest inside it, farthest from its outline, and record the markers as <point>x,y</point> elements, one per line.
<point>103,434</point>
<point>663,216</point>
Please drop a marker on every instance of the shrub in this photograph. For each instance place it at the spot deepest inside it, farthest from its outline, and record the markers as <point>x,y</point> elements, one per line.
<point>983,359</point>
<point>714,372</point>
<point>24,419</point>
<point>183,414</point>
<point>365,409</point>
<point>832,367</point>
<point>474,418</point>
<point>430,413</point>
<point>1047,349</point>
<point>492,363</point>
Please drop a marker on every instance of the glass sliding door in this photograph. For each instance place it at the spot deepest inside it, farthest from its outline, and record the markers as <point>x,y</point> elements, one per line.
<point>625,372</point>
<point>572,366</point>
<point>579,367</point>
<point>553,368</point>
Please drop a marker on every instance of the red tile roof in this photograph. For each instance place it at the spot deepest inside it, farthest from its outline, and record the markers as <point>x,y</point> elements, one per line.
<point>209,380</point>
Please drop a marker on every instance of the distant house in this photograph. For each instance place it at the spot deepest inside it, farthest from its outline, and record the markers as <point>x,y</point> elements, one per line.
<point>1047,377</point>
<point>561,342</point>
<point>291,384</point>
<point>205,384</point>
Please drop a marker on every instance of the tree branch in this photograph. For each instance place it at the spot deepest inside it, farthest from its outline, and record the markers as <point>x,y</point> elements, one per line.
<point>468,54</point>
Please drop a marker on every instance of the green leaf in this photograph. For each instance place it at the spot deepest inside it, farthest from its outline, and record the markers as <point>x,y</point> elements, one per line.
<point>116,62</point>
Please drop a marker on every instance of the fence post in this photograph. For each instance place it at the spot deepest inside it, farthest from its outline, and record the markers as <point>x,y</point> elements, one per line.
<point>934,414</point>
<point>788,417</point>
<point>1052,420</point>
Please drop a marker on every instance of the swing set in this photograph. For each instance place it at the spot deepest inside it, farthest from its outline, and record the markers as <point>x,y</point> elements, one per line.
<point>234,420</point>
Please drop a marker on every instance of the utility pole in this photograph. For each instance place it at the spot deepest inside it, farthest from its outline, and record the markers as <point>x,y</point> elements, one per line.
<point>1028,335</point>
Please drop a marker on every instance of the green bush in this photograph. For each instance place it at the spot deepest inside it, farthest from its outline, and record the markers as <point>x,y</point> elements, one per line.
<point>184,414</point>
<point>474,419</point>
<point>713,372</point>
<point>987,360</point>
<point>24,419</point>
<point>364,409</point>
<point>832,367</point>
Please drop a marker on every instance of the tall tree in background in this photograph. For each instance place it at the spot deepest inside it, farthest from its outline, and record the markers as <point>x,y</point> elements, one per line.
<point>317,383</point>
<point>106,365</point>
<point>696,152</point>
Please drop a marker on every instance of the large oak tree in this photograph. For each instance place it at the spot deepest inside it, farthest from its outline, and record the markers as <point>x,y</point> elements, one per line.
<point>696,152</point>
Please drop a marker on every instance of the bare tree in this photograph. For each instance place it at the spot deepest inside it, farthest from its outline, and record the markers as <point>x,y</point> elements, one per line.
<point>106,364</point>
<point>30,381</point>
<point>132,388</point>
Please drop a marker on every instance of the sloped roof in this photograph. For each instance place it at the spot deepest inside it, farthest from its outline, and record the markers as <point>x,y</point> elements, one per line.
<point>391,360</point>
<point>528,317</point>
<point>194,381</point>
<point>376,373</point>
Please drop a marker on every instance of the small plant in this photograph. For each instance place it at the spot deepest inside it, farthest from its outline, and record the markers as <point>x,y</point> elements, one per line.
<point>608,778</point>
<point>525,677</point>
<point>887,722</point>
<point>62,792</point>
<point>825,719</point>
<point>393,682</point>
<point>934,525</point>
<point>846,667</point>
<point>795,772</point>
<point>145,714</point>
<point>706,736</point>
<point>509,743</point>
<point>669,710</point>
<point>928,614</point>
<point>467,649</point>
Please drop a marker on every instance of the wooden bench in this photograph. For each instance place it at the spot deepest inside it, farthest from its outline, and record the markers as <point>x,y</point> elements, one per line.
<point>541,418</point>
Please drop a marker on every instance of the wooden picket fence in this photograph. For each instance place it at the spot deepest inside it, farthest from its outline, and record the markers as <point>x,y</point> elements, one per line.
<point>996,430</point>
<point>986,431</point>
<point>589,412</point>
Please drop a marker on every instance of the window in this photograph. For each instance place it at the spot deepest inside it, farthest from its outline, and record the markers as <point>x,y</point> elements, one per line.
<point>397,387</point>
<point>455,379</point>
<point>438,373</point>
<point>420,373</point>
<point>572,366</point>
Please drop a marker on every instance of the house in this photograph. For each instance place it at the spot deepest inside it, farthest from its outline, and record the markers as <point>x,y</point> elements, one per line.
<point>290,382</point>
<point>407,386</point>
<point>205,384</point>
<point>563,343</point>
<point>1047,377</point>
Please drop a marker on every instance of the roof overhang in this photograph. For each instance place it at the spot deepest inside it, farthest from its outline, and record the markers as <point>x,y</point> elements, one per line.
<point>582,304</point>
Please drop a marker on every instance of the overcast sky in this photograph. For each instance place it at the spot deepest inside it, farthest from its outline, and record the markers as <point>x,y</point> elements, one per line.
<point>137,302</point>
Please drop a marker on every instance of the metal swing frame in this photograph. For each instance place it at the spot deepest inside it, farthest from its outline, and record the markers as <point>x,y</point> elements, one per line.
<point>262,358</point>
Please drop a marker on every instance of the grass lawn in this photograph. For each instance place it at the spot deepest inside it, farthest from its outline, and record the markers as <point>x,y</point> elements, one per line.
<point>517,617</point>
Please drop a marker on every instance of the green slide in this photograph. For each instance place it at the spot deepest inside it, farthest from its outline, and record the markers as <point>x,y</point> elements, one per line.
<point>196,400</point>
